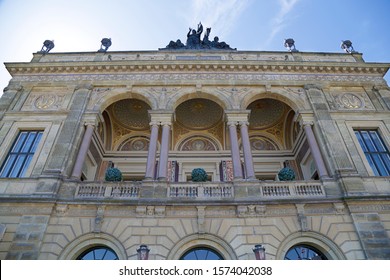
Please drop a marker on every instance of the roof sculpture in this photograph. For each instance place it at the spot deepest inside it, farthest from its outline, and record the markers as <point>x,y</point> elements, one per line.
<point>194,41</point>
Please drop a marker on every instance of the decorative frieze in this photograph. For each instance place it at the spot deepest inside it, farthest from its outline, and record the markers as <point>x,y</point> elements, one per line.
<point>204,77</point>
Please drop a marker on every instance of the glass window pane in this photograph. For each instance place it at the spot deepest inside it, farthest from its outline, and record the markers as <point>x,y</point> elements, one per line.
<point>379,164</point>
<point>386,161</point>
<point>25,165</point>
<point>19,142</point>
<point>377,141</point>
<point>368,141</point>
<point>30,139</point>
<point>36,142</point>
<point>8,165</point>
<point>361,142</point>
<point>371,162</point>
<point>17,166</point>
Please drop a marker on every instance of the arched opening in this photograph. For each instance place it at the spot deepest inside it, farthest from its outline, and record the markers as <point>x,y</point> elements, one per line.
<point>198,138</point>
<point>123,133</point>
<point>304,252</point>
<point>201,253</point>
<point>98,253</point>
<point>275,138</point>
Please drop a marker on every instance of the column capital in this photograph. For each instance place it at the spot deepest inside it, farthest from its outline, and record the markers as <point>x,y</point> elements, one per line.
<point>243,123</point>
<point>237,116</point>
<point>153,123</point>
<point>232,123</point>
<point>307,123</point>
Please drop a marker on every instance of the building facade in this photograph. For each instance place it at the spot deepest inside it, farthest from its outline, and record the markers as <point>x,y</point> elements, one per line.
<point>242,116</point>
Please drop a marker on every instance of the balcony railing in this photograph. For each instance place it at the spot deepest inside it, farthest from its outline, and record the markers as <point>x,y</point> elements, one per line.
<point>292,189</point>
<point>207,190</point>
<point>108,190</point>
<point>201,190</point>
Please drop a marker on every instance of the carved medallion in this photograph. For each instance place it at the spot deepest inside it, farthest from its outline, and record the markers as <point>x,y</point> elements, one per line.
<point>351,101</point>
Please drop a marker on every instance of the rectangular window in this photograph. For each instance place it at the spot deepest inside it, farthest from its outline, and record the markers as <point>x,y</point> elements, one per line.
<point>21,154</point>
<point>375,150</point>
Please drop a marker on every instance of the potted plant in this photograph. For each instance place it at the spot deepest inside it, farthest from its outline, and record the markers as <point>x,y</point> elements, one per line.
<point>199,175</point>
<point>286,174</point>
<point>113,174</point>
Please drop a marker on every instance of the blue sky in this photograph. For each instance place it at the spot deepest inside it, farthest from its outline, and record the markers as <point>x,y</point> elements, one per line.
<point>255,25</point>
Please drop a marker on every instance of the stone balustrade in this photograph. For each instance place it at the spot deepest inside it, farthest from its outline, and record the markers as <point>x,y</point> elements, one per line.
<point>207,190</point>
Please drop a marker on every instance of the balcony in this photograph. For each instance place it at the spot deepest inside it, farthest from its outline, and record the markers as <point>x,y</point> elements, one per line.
<point>200,191</point>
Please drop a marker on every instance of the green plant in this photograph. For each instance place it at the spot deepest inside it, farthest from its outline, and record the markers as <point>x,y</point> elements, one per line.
<point>199,175</point>
<point>286,174</point>
<point>113,174</point>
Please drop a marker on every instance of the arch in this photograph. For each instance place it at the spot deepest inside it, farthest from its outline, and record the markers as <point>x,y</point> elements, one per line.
<point>114,96</point>
<point>272,95</point>
<point>263,134</point>
<point>205,240</point>
<point>194,135</point>
<point>122,140</point>
<point>90,240</point>
<point>313,239</point>
<point>175,102</point>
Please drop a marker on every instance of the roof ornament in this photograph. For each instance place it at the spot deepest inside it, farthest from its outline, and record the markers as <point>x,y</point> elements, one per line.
<point>48,45</point>
<point>346,45</point>
<point>106,43</point>
<point>194,41</point>
<point>290,45</point>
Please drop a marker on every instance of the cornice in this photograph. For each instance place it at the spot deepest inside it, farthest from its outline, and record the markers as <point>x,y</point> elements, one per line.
<point>198,66</point>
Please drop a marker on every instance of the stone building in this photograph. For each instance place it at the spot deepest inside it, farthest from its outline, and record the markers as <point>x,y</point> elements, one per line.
<point>242,116</point>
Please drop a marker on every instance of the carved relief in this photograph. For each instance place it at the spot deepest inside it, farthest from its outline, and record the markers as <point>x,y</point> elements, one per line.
<point>354,99</point>
<point>138,143</point>
<point>198,144</point>
<point>234,96</point>
<point>261,143</point>
<point>96,95</point>
<point>46,101</point>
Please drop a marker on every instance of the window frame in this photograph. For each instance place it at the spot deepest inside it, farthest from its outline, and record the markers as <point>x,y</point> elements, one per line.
<point>22,153</point>
<point>382,130</point>
<point>12,133</point>
<point>375,166</point>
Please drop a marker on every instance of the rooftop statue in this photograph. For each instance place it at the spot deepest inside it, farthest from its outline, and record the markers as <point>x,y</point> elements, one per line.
<point>194,41</point>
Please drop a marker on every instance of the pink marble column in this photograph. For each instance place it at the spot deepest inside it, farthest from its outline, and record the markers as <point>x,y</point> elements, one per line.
<point>151,161</point>
<point>78,167</point>
<point>163,163</point>
<point>237,170</point>
<point>250,171</point>
<point>315,150</point>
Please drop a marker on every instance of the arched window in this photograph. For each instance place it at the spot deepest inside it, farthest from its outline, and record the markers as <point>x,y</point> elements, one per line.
<point>98,253</point>
<point>304,252</point>
<point>201,253</point>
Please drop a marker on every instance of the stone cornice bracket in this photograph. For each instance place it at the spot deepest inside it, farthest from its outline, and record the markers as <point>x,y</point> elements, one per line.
<point>83,86</point>
<point>312,86</point>
<point>15,88</point>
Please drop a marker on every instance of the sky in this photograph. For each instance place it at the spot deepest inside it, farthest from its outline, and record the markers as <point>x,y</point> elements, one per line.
<point>248,25</point>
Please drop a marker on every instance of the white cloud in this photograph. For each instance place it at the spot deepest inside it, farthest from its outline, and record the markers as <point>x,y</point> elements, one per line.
<point>280,20</point>
<point>220,15</point>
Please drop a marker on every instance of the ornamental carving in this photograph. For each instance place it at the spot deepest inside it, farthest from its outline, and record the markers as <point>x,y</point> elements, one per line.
<point>135,144</point>
<point>351,101</point>
<point>44,102</point>
<point>198,144</point>
<point>260,143</point>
